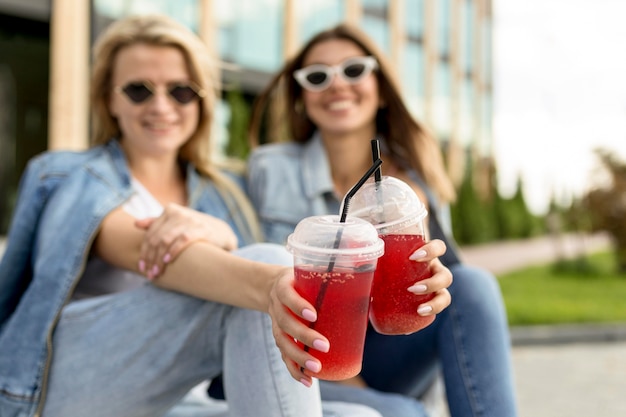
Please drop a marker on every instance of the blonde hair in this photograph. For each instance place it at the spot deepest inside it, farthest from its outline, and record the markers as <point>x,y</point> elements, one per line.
<point>158,30</point>
<point>408,142</point>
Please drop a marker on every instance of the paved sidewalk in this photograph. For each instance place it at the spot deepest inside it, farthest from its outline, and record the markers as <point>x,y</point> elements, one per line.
<point>561,371</point>
<point>577,379</point>
<point>502,257</point>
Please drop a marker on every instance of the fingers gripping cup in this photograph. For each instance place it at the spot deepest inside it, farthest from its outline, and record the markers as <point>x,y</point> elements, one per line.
<point>334,264</point>
<point>398,215</point>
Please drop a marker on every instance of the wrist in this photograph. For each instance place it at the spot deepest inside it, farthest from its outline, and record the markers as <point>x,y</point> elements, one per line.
<point>270,284</point>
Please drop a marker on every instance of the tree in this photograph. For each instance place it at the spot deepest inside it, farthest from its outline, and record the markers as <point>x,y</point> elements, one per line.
<point>513,219</point>
<point>470,214</point>
<point>607,205</point>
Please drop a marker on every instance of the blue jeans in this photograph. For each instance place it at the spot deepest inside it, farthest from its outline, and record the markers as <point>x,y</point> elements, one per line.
<point>469,341</point>
<point>137,353</point>
<point>388,404</point>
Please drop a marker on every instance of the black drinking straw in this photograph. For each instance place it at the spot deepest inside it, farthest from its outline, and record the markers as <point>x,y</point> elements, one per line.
<point>375,156</point>
<point>377,175</point>
<point>342,219</point>
<point>346,200</point>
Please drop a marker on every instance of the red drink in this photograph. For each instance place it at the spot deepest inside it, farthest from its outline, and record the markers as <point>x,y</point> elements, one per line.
<point>350,247</point>
<point>393,309</point>
<point>341,316</point>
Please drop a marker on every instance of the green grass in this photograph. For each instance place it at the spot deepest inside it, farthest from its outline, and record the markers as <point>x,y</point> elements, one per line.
<point>577,291</point>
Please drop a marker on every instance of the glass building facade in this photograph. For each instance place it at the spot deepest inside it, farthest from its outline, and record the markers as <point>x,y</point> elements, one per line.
<point>441,49</point>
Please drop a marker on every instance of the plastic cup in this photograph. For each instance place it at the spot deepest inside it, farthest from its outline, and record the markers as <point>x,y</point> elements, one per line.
<point>398,215</point>
<point>334,264</point>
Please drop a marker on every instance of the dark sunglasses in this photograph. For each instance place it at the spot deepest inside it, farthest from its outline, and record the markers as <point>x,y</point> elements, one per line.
<point>140,91</point>
<point>318,77</point>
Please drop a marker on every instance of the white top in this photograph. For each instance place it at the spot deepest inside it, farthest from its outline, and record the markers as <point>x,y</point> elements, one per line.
<point>101,277</point>
<point>142,204</point>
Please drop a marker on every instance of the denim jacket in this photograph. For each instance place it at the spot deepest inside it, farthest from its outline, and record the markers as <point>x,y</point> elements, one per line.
<point>63,198</point>
<point>289,181</point>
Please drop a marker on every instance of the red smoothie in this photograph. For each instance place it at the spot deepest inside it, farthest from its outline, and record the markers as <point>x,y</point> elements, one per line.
<point>341,316</point>
<point>393,309</point>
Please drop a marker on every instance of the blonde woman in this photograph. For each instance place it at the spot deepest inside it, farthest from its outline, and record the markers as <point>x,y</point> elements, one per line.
<point>88,325</point>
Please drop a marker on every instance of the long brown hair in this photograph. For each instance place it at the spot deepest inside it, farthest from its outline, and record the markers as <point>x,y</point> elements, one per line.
<point>407,141</point>
<point>158,30</point>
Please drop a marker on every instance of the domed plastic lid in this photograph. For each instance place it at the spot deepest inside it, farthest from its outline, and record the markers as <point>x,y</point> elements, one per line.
<point>322,237</point>
<point>389,205</point>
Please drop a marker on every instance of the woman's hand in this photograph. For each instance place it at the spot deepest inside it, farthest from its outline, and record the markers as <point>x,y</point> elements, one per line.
<point>167,235</point>
<point>285,305</point>
<point>438,283</point>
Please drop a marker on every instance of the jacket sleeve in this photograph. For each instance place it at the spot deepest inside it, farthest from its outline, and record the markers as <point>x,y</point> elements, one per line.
<point>16,263</point>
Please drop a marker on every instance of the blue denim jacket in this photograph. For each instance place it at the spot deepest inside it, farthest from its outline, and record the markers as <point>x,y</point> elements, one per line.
<point>63,198</point>
<point>288,182</point>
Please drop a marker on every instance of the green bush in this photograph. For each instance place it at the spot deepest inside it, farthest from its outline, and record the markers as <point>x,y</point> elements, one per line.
<point>477,219</point>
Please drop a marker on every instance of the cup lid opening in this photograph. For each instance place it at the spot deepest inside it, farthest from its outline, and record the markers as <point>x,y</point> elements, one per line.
<point>389,205</point>
<point>325,236</point>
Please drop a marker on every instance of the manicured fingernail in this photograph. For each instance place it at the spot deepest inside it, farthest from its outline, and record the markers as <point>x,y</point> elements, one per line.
<point>418,288</point>
<point>309,315</point>
<point>142,266</point>
<point>305,382</point>
<point>166,258</point>
<point>423,310</point>
<point>418,254</point>
<point>321,345</point>
<point>313,366</point>
<point>155,270</point>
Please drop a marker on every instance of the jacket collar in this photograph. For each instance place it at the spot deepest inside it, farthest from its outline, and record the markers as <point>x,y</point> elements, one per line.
<point>315,168</point>
<point>122,171</point>
<point>119,162</point>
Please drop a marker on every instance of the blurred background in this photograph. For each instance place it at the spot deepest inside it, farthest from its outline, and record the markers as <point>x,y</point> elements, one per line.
<point>519,94</point>
<point>526,99</point>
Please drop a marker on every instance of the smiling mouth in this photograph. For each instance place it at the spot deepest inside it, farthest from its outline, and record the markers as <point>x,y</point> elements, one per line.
<point>340,105</point>
<point>159,126</point>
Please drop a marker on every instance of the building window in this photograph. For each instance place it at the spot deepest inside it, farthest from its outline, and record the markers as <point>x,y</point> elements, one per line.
<point>412,78</point>
<point>375,22</point>
<point>313,17</point>
<point>250,33</point>
<point>184,11</point>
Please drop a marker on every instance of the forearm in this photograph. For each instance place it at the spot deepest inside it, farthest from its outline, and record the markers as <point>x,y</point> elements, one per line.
<point>202,270</point>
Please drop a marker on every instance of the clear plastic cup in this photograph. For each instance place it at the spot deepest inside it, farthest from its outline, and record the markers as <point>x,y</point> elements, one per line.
<point>398,215</point>
<point>334,266</point>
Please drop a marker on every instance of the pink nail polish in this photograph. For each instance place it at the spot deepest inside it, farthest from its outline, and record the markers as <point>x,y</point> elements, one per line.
<point>142,266</point>
<point>422,310</point>
<point>155,270</point>
<point>313,366</point>
<point>418,254</point>
<point>321,345</point>
<point>305,382</point>
<point>166,258</point>
<point>309,315</point>
<point>418,288</point>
